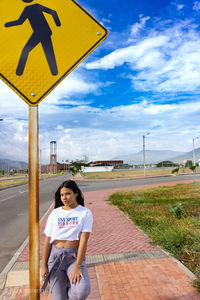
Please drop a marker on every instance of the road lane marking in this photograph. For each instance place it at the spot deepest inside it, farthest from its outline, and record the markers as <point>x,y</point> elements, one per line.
<point>22,192</point>
<point>13,196</point>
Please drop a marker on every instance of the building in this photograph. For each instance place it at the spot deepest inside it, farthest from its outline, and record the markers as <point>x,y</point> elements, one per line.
<point>114,163</point>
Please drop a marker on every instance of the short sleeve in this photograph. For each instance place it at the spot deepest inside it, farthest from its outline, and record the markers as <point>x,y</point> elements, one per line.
<point>49,225</point>
<point>88,222</point>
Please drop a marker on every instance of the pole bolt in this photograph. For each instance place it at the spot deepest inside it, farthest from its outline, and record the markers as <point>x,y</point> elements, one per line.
<point>99,33</point>
<point>33,94</point>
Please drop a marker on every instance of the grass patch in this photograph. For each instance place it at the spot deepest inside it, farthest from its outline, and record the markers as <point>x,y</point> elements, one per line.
<point>17,180</point>
<point>7,183</point>
<point>151,210</point>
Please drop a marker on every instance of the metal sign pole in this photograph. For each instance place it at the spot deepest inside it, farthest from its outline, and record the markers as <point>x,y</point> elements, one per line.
<point>34,260</point>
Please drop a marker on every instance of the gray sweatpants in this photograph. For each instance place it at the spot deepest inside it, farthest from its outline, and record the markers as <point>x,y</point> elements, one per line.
<point>61,262</point>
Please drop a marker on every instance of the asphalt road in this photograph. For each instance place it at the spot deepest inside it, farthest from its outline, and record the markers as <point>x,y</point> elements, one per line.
<point>14,206</point>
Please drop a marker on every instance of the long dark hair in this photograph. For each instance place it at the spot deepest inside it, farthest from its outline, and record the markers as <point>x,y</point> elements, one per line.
<point>70,184</point>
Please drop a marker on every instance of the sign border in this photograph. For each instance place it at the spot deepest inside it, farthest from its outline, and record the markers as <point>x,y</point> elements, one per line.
<point>27,100</point>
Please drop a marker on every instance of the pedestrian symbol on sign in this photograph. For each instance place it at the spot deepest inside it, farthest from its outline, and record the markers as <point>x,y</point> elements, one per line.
<point>41,34</point>
<point>53,39</point>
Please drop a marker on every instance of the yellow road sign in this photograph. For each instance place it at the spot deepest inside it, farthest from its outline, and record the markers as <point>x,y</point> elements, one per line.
<point>42,42</point>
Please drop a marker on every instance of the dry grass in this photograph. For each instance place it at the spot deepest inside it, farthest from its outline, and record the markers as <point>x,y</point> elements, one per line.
<point>19,179</point>
<point>132,174</point>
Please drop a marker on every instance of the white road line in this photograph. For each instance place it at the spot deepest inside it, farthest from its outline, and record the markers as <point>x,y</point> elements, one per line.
<point>22,192</point>
<point>13,196</point>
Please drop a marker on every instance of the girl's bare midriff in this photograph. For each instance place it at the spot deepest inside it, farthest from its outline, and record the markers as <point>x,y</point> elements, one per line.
<point>66,244</point>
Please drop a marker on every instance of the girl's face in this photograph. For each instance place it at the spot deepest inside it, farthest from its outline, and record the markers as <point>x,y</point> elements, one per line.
<point>68,198</point>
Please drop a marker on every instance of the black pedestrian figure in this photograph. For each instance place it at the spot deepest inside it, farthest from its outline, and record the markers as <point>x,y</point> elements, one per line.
<point>41,34</point>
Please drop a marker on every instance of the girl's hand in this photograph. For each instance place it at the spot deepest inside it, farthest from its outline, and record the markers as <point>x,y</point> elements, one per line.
<point>44,272</point>
<point>76,274</point>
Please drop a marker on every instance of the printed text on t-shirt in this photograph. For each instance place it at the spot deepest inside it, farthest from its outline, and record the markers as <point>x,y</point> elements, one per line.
<point>67,222</point>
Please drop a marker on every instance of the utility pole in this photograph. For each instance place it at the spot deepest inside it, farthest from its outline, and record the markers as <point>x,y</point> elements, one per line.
<point>144,153</point>
<point>194,156</point>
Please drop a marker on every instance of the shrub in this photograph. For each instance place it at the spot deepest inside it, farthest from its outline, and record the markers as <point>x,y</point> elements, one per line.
<point>175,170</point>
<point>192,168</point>
<point>176,210</point>
<point>174,239</point>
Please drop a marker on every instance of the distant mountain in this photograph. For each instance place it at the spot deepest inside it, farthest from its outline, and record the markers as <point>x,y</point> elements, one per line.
<point>7,164</point>
<point>152,156</point>
<point>187,156</point>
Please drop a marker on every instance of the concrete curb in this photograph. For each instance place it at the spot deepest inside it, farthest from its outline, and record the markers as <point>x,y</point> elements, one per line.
<point>8,267</point>
<point>181,265</point>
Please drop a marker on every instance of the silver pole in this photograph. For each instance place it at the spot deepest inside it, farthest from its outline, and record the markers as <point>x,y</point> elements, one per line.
<point>144,153</point>
<point>193,153</point>
<point>144,156</point>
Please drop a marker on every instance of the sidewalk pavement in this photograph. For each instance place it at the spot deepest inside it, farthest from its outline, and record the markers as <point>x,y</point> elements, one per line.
<point>122,263</point>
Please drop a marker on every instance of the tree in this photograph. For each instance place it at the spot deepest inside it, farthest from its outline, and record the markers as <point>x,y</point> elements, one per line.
<point>188,163</point>
<point>192,168</point>
<point>166,163</point>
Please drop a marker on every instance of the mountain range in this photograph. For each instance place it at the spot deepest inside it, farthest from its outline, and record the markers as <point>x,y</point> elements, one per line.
<point>156,156</point>
<point>152,156</point>
<point>7,164</point>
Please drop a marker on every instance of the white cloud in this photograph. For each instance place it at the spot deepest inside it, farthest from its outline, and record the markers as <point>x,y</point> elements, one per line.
<point>59,127</point>
<point>74,84</point>
<point>14,137</point>
<point>178,6</point>
<point>104,20</point>
<point>11,104</point>
<point>105,133</point>
<point>167,61</point>
<point>130,54</point>
<point>139,25</point>
<point>196,5</point>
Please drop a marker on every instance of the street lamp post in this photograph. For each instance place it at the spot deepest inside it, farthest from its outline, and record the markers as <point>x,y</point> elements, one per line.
<point>194,157</point>
<point>144,154</point>
<point>63,161</point>
<point>40,168</point>
<point>40,162</point>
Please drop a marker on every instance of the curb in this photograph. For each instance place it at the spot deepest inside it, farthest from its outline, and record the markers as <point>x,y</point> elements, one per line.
<point>181,265</point>
<point>8,267</point>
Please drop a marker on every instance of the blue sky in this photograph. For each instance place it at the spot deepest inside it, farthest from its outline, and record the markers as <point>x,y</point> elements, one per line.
<point>145,77</point>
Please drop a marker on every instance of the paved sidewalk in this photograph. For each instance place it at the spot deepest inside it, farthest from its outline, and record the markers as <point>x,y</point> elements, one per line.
<point>122,263</point>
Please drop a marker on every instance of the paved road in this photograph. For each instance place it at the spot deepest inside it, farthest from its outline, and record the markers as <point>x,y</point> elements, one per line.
<point>87,186</point>
<point>14,215</point>
<point>14,206</point>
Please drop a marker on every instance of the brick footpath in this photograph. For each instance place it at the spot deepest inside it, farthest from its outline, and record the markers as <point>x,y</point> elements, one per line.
<point>142,276</point>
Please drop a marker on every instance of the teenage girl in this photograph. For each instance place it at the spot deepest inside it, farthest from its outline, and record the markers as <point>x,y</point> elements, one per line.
<point>67,231</point>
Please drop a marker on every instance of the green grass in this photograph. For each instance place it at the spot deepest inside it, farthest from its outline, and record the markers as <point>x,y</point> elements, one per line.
<point>150,210</point>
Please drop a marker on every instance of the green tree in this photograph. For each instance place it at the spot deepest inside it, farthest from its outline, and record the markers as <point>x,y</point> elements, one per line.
<point>192,168</point>
<point>188,163</point>
<point>166,163</point>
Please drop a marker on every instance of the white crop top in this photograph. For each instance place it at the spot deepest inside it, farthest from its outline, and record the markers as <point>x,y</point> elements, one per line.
<point>68,224</point>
